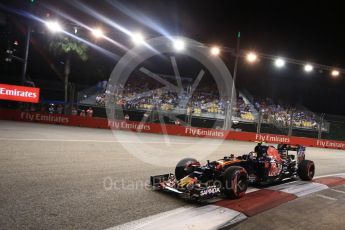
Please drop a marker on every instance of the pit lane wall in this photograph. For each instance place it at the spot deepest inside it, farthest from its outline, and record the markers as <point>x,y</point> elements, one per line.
<point>93,122</point>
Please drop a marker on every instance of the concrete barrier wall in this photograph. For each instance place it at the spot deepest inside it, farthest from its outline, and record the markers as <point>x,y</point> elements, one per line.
<point>94,122</point>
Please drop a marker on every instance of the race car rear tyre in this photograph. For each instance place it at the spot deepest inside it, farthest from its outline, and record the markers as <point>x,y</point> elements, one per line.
<point>185,167</point>
<point>306,170</point>
<point>235,182</point>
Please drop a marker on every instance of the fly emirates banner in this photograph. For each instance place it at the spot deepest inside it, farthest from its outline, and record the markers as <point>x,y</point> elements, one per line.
<point>19,93</point>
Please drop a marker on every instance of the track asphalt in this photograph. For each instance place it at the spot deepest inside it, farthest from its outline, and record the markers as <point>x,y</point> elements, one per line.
<point>58,177</point>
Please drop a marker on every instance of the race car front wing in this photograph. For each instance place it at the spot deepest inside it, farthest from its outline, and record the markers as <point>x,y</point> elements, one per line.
<point>168,183</point>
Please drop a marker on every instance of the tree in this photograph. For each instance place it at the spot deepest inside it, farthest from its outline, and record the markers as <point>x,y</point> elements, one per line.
<point>68,47</point>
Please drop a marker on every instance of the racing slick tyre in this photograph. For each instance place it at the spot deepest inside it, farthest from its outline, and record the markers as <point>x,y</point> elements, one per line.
<point>306,170</point>
<point>235,182</point>
<point>185,167</point>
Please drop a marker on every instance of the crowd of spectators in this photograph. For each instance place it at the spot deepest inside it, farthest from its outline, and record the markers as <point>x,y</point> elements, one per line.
<point>157,100</point>
<point>243,110</point>
<point>204,100</point>
<point>281,114</point>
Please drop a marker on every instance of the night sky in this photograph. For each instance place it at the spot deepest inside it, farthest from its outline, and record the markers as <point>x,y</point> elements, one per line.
<point>306,30</point>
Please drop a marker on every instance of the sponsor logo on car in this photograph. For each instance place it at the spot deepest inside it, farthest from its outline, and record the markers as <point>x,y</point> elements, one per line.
<point>210,191</point>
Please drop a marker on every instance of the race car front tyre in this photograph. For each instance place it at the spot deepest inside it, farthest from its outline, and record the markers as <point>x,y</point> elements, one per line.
<point>306,170</point>
<point>184,167</point>
<point>235,182</point>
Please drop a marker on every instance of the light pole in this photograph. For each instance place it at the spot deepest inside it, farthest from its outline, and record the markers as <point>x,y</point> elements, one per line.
<point>228,121</point>
<point>319,136</point>
<point>26,54</point>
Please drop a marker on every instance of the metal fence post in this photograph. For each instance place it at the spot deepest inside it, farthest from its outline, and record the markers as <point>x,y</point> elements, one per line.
<point>291,123</point>
<point>258,128</point>
<point>319,135</point>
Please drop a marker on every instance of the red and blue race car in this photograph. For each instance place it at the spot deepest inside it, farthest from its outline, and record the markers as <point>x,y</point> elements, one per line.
<point>231,175</point>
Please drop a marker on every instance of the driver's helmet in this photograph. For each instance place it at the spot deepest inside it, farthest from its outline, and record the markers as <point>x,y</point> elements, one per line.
<point>261,150</point>
<point>257,147</point>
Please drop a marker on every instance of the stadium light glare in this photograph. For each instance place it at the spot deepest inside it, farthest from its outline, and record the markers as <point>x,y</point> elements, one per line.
<point>251,57</point>
<point>215,50</point>
<point>308,68</point>
<point>279,62</point>
<point>335,73</point>
<point>138,38</point>
<point>97,32</point>
<point>179,45</point>
<point>54,26</point>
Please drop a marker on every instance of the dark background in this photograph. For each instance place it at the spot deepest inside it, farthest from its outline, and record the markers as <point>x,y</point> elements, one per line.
<point>306,30</point>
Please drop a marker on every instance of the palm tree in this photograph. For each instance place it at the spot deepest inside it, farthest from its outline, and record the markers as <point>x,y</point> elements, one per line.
<point>68,47</point>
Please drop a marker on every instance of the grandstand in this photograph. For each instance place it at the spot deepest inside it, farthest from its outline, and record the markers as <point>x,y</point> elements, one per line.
<point>204,108</point>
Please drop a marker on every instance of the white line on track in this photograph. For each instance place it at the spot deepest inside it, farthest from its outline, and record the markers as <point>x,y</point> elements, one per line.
<point>335,175</point>
<point>338,191</point>
<point>199,218</point>
<point>299,188</point>
<point>252,189</point>
<point>326,197</point>
<point>147,220</point>
<point>104,141</point>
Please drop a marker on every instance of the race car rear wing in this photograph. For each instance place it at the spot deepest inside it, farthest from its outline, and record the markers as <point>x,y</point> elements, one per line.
<point>300,150</point>
<point>290,147</point>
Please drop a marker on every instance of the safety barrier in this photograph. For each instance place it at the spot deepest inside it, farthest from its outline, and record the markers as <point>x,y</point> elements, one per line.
<point>93,122</point>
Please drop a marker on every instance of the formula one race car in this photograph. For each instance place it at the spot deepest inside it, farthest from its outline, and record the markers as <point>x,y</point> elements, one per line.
<point>231,175</point>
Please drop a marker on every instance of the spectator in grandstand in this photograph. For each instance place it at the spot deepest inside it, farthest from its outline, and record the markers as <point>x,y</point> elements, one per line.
<point>89,112</point>
<point>146,116</point>
<point>189,109</point>
<point>104,85</point>
<point>59,109</point>
<point>126,117</point>
<point>51,108</point>
<point>74,111</point>
<point>98,99</point>
<point>82,113</point>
